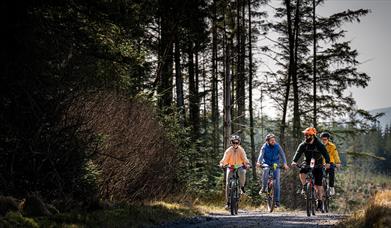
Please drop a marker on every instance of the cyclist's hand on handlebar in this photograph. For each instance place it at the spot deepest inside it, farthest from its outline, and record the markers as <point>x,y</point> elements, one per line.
<point>258,164</point>
<point>327,166</point>
<point>293,164</point>
<point>221,165</point>
<point>286,167</point>
<point>248,165</point>
<point>338,166</point>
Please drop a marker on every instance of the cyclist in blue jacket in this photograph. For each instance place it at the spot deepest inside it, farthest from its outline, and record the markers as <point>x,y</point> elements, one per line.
<point>270,154</point>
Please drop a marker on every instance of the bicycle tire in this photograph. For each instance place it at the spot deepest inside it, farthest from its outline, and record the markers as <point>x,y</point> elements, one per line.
<point>233,201</point>
<point>237,197</point>
<point>270,198</point>
<point>326,196</point>
<point>313,200</point>
<point>308,199</point>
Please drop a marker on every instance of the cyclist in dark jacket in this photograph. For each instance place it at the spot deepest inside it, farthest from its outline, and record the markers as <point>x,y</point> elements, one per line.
<point>312,148</point>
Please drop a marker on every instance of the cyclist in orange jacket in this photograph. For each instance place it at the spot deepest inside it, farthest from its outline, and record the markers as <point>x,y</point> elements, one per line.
<point>235,155</point>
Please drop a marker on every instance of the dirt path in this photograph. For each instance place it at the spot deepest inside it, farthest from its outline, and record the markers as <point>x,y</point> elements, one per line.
<point>260,219</point>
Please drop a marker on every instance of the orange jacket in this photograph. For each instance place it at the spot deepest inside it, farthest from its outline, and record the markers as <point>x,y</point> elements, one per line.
<point>234,157</point>
<point>332,150</point>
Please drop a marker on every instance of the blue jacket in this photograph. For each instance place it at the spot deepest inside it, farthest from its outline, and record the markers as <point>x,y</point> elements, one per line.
<point>271,154</point>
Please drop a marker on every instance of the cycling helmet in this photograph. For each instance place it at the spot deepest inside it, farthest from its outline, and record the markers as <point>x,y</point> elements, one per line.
<point>269,136</point>
<point>310,131</point>
<point>235,137</point>
<point>325,135</point>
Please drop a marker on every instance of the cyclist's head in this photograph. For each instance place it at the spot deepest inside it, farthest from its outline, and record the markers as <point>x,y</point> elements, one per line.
<point>270,139</point>
<point>235,140</point>
<point>325,136</point>
<point>309,134</point>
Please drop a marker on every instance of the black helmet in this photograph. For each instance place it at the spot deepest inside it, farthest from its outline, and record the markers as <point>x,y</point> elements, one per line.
<point>325,135</point>
<point>235,137</point>
<point>269,136</point>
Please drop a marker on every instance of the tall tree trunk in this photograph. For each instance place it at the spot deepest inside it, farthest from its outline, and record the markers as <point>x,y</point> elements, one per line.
<point>314,71</point>
<point>166,58</point>
<point>250,93</point>
<point>227,90</point>
<point>296,114</point>
<point>179,83</point>
<point>240,82</point>
<point>215,106</point>
<point>193,93</point>
<point>294,75</point>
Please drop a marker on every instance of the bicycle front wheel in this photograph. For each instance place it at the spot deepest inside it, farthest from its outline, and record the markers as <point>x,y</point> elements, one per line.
<point>326,196</point>
<point>232,201</point>
<point>313,200</point>
<point>308,195</point>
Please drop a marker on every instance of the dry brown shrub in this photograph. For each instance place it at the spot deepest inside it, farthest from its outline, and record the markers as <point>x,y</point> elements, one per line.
<point>135,159</point>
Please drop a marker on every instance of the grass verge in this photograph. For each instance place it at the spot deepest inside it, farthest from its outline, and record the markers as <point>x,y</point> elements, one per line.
<point>376,214</point>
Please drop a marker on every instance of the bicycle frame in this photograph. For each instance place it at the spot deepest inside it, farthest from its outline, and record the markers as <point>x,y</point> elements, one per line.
<point>234,190</point>
<point>270,186</point>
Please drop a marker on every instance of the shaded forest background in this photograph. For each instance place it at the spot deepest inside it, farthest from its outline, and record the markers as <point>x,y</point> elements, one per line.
<point>127,101</point>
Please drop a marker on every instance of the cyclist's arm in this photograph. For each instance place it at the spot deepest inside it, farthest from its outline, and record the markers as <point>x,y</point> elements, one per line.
<point>225,158</point>
<point>282,154</point>
<point>298,153</point>
<point>261,154</point>
<point>336,156</point>
<point>244,157</point>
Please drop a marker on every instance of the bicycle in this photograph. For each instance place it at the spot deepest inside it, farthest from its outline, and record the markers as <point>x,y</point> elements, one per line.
<point>310,194</point>
<point>234,189</point>
<point>270,186</point>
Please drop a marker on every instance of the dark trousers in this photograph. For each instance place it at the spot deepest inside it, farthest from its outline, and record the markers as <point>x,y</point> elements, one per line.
<point>331,176</point>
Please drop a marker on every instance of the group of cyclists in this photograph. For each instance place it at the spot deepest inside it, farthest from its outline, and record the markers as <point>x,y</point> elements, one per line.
<point>322,152</point>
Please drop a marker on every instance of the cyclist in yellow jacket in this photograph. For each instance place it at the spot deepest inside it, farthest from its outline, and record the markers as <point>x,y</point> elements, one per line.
<point>334,159</point>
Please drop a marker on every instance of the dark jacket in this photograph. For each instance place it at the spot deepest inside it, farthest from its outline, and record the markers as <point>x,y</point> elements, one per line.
<point>315,150</point>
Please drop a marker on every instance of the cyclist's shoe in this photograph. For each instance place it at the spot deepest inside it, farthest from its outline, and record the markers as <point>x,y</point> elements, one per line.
<point>277,204</point>
<point>242,190</point>
<point>332,191</point>
<point>263,190</point>
<point>302,190</point>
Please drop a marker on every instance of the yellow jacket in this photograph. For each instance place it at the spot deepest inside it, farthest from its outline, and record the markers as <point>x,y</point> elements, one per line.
<point>234,157</point>
<point>333,153</point>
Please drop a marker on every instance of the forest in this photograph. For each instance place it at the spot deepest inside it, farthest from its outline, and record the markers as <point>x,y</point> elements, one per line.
<point>122,102</point>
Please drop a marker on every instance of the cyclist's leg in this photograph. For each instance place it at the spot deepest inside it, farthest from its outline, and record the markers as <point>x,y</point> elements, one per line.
<point>318,175</point>
<point>277,185</point>
<point>265,177</point>
<point>302,175</point>
<point>242,176</point>
<point>331,177</point>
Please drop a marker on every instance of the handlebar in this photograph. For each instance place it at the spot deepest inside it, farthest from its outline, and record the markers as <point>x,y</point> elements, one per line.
<point>234,166</point>
<point>305,166</point>
<point>270,166</point>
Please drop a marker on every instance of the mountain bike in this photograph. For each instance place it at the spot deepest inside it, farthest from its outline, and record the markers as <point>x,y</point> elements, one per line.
<point>234,189</point>
<point>310,194</point>
<point>270,197</point>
